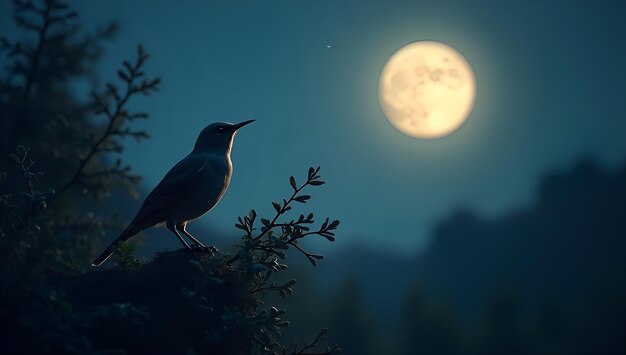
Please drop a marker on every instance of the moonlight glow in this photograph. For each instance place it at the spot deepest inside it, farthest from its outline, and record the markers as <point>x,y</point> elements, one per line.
<point>427,89</point>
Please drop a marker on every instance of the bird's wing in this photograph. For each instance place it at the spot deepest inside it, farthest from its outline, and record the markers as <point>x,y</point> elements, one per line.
<point>179,180</point>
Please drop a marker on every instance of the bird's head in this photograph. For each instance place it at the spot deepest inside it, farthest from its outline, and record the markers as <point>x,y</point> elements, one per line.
<point>218,137</point>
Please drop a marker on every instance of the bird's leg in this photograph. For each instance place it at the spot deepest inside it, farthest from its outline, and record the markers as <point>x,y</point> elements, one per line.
<point>183,228</point>
<point>172,227</point>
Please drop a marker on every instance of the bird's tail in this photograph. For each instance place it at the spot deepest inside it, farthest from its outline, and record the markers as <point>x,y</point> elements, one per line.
<point>127,233</point>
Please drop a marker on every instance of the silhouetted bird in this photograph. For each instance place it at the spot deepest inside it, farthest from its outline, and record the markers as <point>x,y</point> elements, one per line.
<point>189,190</point>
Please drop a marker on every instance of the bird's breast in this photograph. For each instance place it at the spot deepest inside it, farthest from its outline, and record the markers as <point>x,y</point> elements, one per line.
<point>208,189</point>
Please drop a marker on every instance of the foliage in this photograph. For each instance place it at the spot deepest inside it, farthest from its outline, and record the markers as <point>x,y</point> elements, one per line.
<point>259,257</point>
<point>111,104</point>
<point>23,220</point>
<point>279,236</point>
<point>227,294</point>
<point>123,256</point>
<point>220,297</point>
<point>75,139</point>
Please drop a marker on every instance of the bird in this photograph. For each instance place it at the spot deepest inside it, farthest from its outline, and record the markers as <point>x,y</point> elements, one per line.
<point>189,190</point>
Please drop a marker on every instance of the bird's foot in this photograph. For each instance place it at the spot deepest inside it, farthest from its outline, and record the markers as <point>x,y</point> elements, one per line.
<point>202,249</point>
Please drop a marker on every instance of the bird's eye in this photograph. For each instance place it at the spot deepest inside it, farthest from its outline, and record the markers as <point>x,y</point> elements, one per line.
<point>220,129</point>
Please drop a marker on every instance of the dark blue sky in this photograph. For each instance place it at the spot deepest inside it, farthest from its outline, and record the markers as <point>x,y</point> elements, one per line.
<point>551,79</point>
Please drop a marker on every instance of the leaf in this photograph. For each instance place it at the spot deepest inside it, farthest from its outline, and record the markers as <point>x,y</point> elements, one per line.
<point>302,198</point>
<point>324,225</point>
<point>292,181</point>
<point>317,182</point>
<point>276,206</point>
<point>122,75</point>
<point>128,66</point>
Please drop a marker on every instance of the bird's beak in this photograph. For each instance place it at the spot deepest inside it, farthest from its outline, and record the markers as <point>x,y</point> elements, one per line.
<point>239,125</point>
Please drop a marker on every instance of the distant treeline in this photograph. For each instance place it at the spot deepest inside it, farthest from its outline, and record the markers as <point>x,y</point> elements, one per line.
<point>548,279</point>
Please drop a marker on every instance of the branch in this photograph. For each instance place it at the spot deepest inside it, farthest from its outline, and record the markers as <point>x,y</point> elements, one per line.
<point>129,74</point>
<point>291,231</point>
<point>52,13</point>
<point>329,350</point>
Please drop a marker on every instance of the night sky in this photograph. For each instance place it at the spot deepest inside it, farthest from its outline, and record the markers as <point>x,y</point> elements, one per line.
<point>551,85</point>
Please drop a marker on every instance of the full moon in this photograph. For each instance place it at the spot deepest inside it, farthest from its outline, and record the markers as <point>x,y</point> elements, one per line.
<point>427,89</point>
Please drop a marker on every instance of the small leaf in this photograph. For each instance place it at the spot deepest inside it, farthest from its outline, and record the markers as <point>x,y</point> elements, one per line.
<point>330,238</point>
<point>128,66</point>
<point>122,75</point>
<point>292,181</point>
<point>302,198</point>
<point>324,225</point>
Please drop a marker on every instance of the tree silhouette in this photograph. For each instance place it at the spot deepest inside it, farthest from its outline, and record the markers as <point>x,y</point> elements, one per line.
<point>73,140</point>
